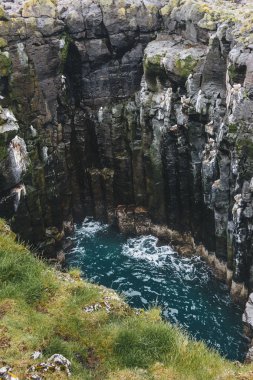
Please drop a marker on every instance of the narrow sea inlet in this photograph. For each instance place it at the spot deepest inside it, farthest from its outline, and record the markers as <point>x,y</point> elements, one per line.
<point>148,274</point>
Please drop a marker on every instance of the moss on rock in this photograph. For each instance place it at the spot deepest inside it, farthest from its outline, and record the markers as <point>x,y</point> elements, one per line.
<point>3,16</point>
<point>184,66</point>
<point>154,71</point>
<point>244,145</point>
<point>207,22</point>
<point>3,43</point>
<point>232,128</point>
<point>66,41</point>
<point>232,72</point>
<point>5,65</point>
<point>3,153</point>
<point>168,8</point>
<point>65,49</point>
<point>38,8</point>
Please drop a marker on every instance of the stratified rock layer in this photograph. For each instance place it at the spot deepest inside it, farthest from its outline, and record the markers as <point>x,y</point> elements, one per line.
<point>136,103</point>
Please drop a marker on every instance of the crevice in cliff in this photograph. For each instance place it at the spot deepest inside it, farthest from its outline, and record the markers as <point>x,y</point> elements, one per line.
<point>73,72</point>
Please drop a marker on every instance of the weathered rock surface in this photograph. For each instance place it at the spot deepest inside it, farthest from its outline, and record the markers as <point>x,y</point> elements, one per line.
<point>248,326</point>
<point>56,363</point>
<point>144,103</point>
<point>6,374</point>
<point>137,221</point>
<point>248,313</point>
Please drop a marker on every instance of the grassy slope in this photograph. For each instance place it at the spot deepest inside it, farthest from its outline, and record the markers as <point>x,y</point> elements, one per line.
<point>41,309</point>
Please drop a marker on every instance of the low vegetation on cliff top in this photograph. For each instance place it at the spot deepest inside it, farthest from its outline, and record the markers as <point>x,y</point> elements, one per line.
<point>238,13</point>
<point>55,313</point>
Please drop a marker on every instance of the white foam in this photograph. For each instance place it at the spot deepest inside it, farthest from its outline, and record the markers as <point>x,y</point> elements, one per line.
<point>145,248</point>
<point>132,293</point>
<point>90,228</point>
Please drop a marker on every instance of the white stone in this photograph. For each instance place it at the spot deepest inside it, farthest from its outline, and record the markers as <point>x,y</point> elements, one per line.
<point>45,154</point>
<point>10,122</point>
<point>18,192</point>
<point>33,131</point>
<point>248,313</point>
<point>36,355</point>
<point>100,114</point>
<point>251,185</point>
<point>23,57</point>
<point>18,158</point>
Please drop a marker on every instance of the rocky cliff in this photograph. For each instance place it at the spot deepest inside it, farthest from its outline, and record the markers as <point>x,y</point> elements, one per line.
<point>129,102</point>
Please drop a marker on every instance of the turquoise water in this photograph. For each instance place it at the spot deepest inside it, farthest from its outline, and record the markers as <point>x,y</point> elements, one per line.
<point>148,274</point>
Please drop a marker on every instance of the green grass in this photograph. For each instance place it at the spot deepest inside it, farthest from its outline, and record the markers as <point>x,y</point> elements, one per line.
<point>42,309</point>
<point>22,276</point>
<point>139,343</point>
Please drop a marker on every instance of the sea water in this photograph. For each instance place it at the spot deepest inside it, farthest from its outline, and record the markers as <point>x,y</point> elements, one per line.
<point>147,274</point>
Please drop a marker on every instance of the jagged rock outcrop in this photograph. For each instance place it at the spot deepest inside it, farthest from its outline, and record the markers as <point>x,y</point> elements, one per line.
<point>145,103</point>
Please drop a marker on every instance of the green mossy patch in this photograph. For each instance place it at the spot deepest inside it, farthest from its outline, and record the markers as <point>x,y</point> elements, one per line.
<point>245,146</point>
<point>168,8</point>
<point>3,16</point>
<point>232,72</point>
<point>5,65</point>
<point>154,71</point>
<point>64,52</point>
<point>3,43</point>
<point>207,22</point>
<point>238,15</point>
<point>232,128</point>
<point>185,66</point>
<point>3,153</point>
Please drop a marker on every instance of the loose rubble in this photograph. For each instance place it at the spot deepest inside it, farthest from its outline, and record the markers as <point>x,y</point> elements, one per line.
<point>6,374</point>
<point>56,363</point>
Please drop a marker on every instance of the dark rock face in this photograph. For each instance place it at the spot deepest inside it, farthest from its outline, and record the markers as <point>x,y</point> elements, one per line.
<point>127,103</point>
